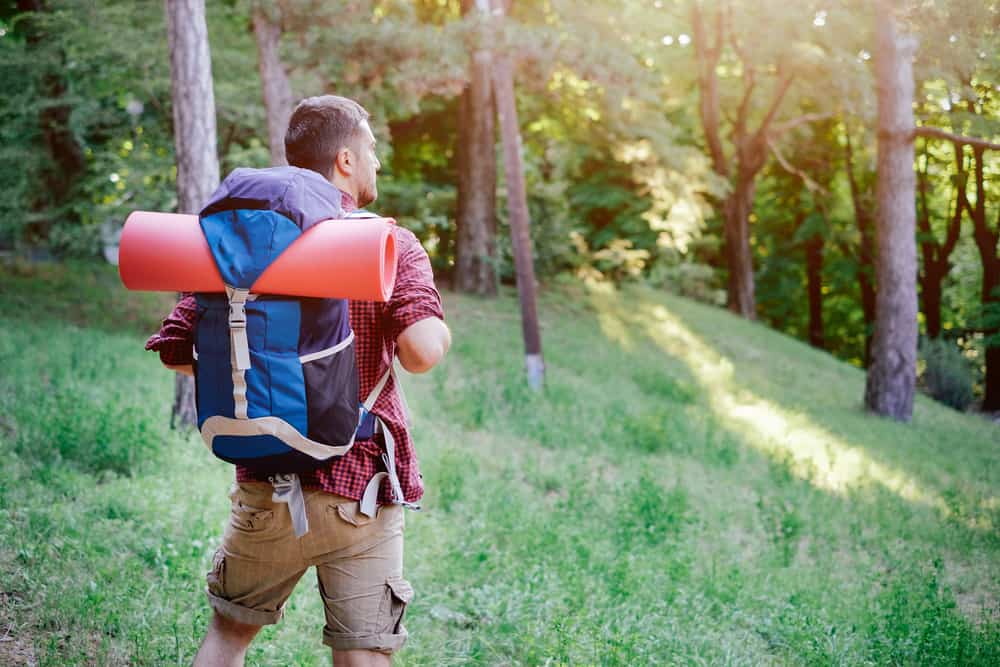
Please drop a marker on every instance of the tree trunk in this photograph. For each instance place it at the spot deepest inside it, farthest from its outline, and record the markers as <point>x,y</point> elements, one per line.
<point>892,374</point>
<point>737,208</point>
<point>987,243</point>
<point>866,251</point>
<point>930,298</point>
<point>273,78</point>
<point>194,135</point>
<point>814,287</point>
<point>517,205</point>
<point>475,263</point>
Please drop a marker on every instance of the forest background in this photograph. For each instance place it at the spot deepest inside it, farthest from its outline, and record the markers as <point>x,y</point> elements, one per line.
<point>627,166</point>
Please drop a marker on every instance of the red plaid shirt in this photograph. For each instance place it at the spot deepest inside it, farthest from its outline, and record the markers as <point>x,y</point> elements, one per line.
<point>376,327</point>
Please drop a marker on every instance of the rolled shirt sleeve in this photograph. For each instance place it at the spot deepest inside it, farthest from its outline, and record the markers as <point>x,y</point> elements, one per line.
<point>414,297</point>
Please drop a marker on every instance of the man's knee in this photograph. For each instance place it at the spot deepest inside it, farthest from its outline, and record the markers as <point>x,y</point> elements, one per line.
<point>233,630</point>
<point>361,658</point>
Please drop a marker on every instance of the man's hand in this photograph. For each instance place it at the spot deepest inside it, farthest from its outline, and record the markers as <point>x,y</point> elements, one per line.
<point>186,369</point>
<point>423,344</point>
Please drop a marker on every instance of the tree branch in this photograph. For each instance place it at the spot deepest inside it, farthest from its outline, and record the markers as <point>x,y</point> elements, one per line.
<point>779,96</point>
<point>781,128</point>
<point>955,228</point>
<point>749,81</point>
<point>812,185</point>
<point>960,139</point>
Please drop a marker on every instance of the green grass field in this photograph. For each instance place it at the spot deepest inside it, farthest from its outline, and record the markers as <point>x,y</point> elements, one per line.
<point>690,488</point>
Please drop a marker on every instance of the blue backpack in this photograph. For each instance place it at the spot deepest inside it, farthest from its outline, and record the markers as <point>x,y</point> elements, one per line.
<point>275,376</point>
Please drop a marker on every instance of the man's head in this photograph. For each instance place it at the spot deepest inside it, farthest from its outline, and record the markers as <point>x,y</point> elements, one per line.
<point>330,134</point>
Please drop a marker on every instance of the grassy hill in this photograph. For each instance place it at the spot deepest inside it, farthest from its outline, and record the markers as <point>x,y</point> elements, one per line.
<point>689,488</point>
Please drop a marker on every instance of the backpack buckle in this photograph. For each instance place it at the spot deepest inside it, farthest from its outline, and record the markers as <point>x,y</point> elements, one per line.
<point>237,315</point>
<point>238,328</point>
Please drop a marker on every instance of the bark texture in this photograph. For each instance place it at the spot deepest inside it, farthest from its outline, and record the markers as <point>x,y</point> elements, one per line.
<point>814,288</point>
<point>276,89</point>
<point>892,373</point>
<point>517,204</point>
<point>194,136</point>
<point>475,250</point>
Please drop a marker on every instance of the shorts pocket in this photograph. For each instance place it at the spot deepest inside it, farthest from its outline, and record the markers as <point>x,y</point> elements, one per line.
<point>249,519</point>
<point>398,593</point>
<point>215,578</point>
<point>350,513</point>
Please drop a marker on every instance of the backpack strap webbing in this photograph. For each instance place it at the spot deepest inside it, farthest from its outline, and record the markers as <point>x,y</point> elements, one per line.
<point>239,346</point>
<point>369,501</point>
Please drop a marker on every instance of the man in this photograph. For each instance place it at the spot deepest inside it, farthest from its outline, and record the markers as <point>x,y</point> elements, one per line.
<point>358,559</point>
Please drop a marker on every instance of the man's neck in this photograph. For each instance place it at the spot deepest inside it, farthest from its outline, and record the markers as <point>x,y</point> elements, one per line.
<point>341,184</point>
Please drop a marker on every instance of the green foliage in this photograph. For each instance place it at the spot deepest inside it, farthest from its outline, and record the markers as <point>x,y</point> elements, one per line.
<point>946,375</point>
<point>917,623</point>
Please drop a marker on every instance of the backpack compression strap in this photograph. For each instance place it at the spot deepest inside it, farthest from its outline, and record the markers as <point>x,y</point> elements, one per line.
<point>240,348</point>
<point>369,500</point>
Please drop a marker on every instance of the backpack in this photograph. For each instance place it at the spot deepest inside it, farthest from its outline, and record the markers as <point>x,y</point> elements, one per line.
<point>275,376</point>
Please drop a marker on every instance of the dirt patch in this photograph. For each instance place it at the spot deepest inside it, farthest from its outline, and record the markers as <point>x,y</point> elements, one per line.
<point>16,647</point>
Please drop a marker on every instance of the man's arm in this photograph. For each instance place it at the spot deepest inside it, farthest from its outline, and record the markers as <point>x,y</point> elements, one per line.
<point>423,344</point>
<point>173,341</point>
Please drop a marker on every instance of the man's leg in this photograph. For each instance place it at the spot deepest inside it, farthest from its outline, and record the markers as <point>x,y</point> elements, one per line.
<point>226,643</point>
<point>361,658</point>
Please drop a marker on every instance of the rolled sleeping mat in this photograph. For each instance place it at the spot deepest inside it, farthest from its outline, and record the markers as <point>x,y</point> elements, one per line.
<point>344,259</point>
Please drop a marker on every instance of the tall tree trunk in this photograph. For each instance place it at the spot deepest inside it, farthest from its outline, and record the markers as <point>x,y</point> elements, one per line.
<point>987,240</point>
<point>866,250</point>
<point>892,374</point>
<point>273,77</point>
<point>517,205</point>
<point>737,207</point>
<point>475,270</point>
<point>814,287</point>
<point>194,135</point>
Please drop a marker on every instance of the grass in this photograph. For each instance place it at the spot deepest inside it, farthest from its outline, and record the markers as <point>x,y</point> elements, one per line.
<point>689,489</point>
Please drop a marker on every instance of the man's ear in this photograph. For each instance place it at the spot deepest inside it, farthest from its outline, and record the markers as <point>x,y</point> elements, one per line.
<point>345,161</point>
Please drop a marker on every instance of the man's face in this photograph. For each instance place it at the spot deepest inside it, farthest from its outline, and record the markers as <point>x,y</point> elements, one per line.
<point>367,166</point>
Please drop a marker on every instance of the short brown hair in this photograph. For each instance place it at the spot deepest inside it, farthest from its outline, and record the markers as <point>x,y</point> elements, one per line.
<point>319,127</point>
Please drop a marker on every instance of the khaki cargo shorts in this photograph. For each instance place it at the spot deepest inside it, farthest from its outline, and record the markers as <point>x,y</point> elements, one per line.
<point>359,565</point>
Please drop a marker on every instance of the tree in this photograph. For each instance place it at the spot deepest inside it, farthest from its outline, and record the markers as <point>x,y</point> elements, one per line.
<point>274,83</point>
<point>987,239</point>
<point>965,73</point>
<point>936,255</point>
<point>750,145</point>
<point>517,205</point>
<point>65,164</point>
<point>475,251</point>
<point>194,135</point>
<point>892,374</point>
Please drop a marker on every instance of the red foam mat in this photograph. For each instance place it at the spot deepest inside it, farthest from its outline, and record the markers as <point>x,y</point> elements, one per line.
<point>348,259</point>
